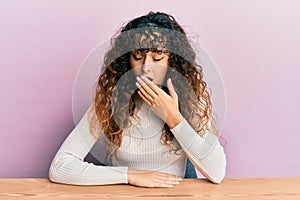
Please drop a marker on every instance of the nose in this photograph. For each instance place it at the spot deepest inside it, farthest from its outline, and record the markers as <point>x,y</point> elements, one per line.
<point>147,64</point>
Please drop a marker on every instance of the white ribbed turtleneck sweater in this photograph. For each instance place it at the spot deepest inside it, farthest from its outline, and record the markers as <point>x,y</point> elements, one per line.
<point>142,149</point>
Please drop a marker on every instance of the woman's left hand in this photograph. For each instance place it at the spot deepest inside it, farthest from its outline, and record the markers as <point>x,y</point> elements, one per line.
<point>163,105</point>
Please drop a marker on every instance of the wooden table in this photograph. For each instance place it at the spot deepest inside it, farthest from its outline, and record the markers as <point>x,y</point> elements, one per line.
<point>254,188</point>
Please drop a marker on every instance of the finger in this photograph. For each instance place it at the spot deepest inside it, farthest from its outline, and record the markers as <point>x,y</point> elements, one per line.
<point>171,179</point>
<point>143,91</point>
<point>151,85</point>
<point>144,98</point>
<point>169,176</point>
<point>164,185</point>
<point>171,88</point>
<point>166,174</point>
<point>167,185</point>
<point>173,182</point>
<point>161,185</point>
<point>147,86</point>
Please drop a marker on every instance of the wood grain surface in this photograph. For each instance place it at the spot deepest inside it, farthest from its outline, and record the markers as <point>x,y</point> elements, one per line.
<point>230,188</point>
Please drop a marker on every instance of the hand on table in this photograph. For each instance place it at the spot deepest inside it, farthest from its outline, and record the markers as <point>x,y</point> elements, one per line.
<point>144,178</point>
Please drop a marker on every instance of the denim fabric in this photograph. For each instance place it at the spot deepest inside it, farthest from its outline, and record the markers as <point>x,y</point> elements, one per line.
<point>190,171</point>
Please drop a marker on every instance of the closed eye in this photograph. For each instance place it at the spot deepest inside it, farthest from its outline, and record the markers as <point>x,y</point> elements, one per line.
<point>158,59</point>
<point>136,58</point>
<point>155,59</point>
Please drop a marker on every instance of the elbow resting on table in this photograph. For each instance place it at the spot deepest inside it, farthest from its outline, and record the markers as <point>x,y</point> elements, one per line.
<point>217,180</point>
<point>53,173</point>
<point>56,173</point>
<point>219,177</point>
<point>217,174</point>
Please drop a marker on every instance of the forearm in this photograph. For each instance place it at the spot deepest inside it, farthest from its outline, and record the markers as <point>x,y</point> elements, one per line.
<point>206,154</point>
<point>68,165</point>
<point>69,170</point>
<point>174,119</point>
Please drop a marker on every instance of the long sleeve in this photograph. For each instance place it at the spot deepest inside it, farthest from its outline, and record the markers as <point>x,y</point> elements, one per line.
<point>68,165</point>
<point>206,153</point>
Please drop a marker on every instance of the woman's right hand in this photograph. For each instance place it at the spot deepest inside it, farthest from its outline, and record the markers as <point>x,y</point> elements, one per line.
<point>144,178</point>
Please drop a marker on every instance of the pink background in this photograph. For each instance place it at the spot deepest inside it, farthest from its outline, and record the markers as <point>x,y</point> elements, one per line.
<point>255,45</point>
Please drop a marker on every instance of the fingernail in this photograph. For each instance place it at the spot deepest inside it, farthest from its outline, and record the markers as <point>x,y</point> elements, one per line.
<point>145,78</point>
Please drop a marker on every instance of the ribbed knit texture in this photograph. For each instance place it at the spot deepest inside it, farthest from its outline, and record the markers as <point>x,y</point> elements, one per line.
<point>141,148</point>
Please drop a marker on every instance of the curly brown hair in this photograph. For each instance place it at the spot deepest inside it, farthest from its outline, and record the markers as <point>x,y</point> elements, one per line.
<point>113,105</point>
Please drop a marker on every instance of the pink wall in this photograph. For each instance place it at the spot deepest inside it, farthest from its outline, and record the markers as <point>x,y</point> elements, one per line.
<point>255,45</point>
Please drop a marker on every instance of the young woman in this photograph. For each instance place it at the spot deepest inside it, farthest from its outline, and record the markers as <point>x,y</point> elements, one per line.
<point>152,112</point>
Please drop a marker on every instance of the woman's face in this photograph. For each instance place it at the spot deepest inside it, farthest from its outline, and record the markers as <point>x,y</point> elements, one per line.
<point>153,64</point>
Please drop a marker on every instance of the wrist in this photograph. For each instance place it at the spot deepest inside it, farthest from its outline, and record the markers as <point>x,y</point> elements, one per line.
<point>175,120</point>
<point>129,175</point>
